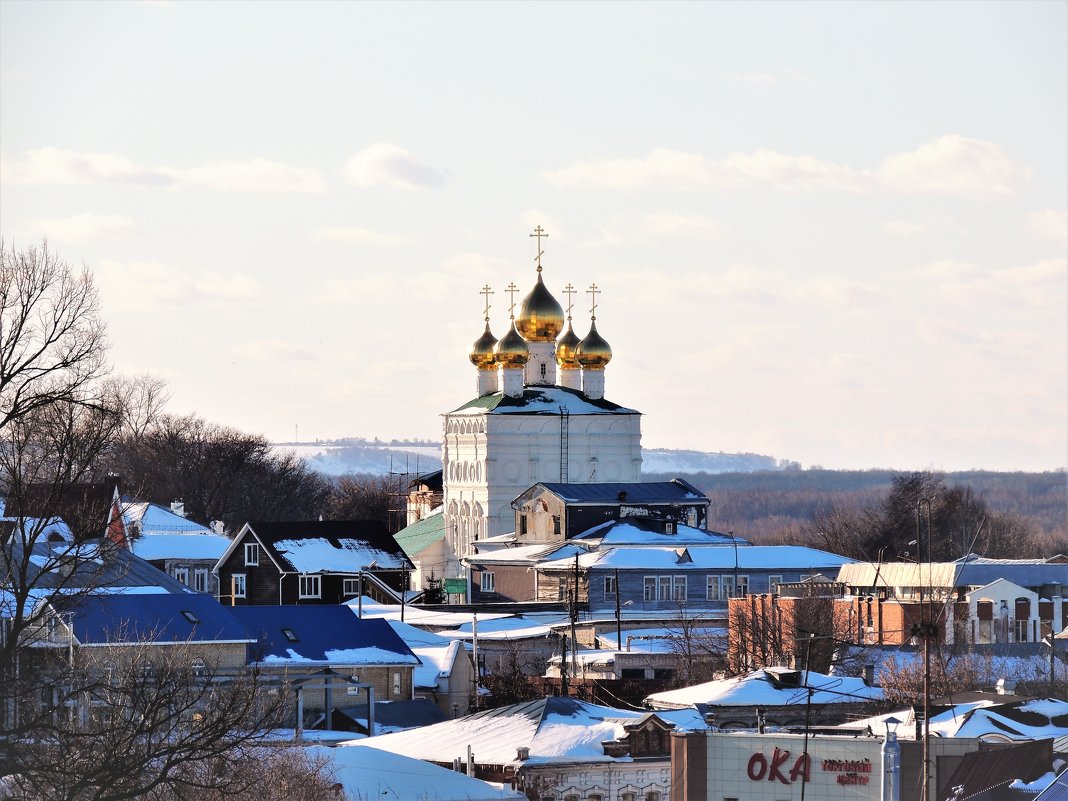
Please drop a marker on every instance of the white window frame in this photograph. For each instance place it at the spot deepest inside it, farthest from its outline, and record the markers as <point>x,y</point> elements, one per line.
<point>713,588</point>
<point>773,583</point>
<point>649,584</point>
<point>742,581</point>
<point>610,588</point>
<point>239,584</point>
<point>200,579</point>
<point>180,574</point>
<point>252,554</point>
<point>678,588</point>
<point>663,588</point>
<point>487,581</point>
<point>309,585</point>
<point>350,586</point>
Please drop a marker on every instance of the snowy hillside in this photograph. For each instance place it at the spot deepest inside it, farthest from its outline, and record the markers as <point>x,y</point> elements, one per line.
<point>378,457</point>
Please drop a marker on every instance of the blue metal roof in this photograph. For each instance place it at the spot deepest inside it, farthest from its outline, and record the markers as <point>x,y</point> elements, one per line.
<point>323,633</point>
<point>162,617</point>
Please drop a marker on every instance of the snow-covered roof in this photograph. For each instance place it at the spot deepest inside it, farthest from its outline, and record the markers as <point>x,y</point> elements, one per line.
<point>631,532</point>
<point>530,554</point>
<point>658,640</point>
<point>417,616</point>
<point>437,653</point>
<point>753,557</point>
<point>621,493</point>
<point>515,627</point>
<point>541,400</point>
<point>553,728</point>
<point>321,634</point>
<point>976,572</point>
<point>369,772</point>
<point>312,555</point>
<point>763,688</point>
<point>1032,719</point>
<point>156,519</point>
<point>206,545</point>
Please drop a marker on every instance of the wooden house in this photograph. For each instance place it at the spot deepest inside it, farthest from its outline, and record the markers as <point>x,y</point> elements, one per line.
<point>312,562</point>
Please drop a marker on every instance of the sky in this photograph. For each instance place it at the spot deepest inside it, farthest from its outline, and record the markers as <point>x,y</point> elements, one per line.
<point>833,233</point>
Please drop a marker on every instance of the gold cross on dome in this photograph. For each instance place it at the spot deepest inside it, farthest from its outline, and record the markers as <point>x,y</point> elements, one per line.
<point>511,289</point>
<point>594,292</point>
<point>487,292</point>
<point>570,290</point>
<point>539,232</point>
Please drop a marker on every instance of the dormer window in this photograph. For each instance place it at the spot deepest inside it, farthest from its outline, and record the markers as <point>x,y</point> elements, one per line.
<point>192,618</point>
<point>290,635</point>
<point>252,554</point>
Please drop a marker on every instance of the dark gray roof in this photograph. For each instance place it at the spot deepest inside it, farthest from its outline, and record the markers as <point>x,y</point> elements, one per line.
<point>656,492</point>
<point>93,564</point>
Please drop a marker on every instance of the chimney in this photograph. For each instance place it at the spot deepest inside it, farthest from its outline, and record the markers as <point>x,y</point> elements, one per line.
<point>1006,686</point>
<point>178,507</point>
<point>522,754</point>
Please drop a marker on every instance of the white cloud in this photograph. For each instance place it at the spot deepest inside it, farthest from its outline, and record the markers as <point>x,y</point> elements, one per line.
<point>358,236</point>
<point>271,350</point>
<point>952,165</point>
<point>148,285</point>
<point>1049,224</point>
<point>903,228</point>
<point>81,227</point>
<point>383,164</point>
<point>659,226</point>
<point>1041,284</point>
<point>255,175</point>
<point>50,165</point>
<point>934,222</point>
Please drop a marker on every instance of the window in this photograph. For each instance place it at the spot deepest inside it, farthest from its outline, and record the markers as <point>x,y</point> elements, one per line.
<point>543,369</point>
<point>290,635</point>
<point>649,588</point>
<point>678,588</point>
<point>595,797</point>
<point>199,667</point>
<point>487,581</point>
<point>609,586</point>
<point>522,524</point>
<point>652,795</point>
<point>669,527</point>
<point>712,589</point>
<point>181,574</point>
<point>309,587</point>
<point>773,583</point>
<point>237,585</point>
<point>396,683</point>
<point>663,592</point>
<point>252,554</point>
<point>561,589</point>
<point>192,618</point>
<point>350,586</point>
<point>742,587</point>
<point>556,525</point>
<point>200,579</point>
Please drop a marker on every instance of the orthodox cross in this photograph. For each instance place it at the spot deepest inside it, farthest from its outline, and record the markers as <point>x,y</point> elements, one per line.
<point>511,289</point>
<point>487,292</point>
<point>594,291</point>
<point>539,232</point>
<point>569,290</point>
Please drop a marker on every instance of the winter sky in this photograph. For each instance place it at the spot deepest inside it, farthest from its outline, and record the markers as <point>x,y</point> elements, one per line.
<point>828,232</point>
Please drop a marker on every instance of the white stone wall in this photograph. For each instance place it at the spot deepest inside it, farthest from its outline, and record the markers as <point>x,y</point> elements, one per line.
<point>613,781</point>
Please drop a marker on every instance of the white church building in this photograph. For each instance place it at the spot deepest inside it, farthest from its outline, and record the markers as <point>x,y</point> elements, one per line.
<point>539,415</point>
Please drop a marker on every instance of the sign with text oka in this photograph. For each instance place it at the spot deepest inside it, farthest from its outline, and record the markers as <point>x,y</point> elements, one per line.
<point>773,767</point>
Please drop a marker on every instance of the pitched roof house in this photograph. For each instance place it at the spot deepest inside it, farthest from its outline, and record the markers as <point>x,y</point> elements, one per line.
<point>311,562</point>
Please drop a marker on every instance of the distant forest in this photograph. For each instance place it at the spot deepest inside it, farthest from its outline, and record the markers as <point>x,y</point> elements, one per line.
<point>763,506</point>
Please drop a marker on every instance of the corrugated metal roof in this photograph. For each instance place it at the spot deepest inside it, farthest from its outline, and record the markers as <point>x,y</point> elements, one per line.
<point>977,573</point>
<point>421,534</point>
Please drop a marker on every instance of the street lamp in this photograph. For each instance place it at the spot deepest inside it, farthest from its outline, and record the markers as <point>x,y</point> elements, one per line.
<point>891,762</point>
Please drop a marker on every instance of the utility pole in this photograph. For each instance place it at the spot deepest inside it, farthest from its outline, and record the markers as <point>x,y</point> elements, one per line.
<point>574,619</point>
<point>619,623</point>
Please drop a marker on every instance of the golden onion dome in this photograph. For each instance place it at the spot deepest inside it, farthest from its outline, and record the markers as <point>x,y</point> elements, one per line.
<point>565,349</point>
<point>541,318</point>
<point>593,353</point>
<point>482,351</point>
<point>511,349</point>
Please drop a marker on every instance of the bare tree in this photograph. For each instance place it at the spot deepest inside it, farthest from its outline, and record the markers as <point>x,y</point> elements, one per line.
<point>137,720</point>
<point>52,340</point>
<point>139,399</point>
<point>359,497</point>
